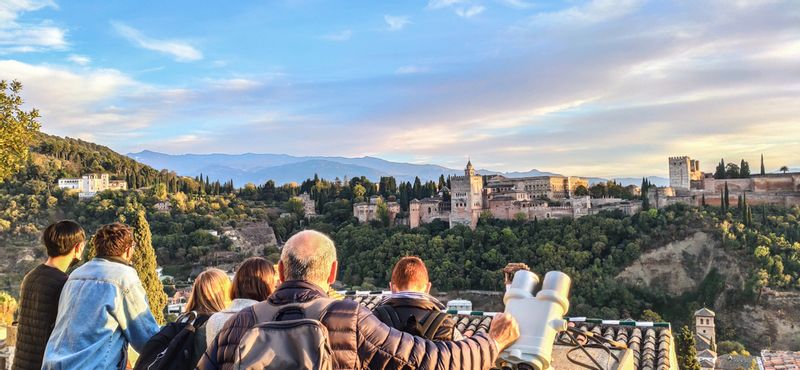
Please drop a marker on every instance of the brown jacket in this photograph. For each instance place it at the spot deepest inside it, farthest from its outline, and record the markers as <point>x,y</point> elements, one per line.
<point>358,339</point>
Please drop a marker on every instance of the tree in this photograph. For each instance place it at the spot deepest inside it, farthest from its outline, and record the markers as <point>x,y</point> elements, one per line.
<point>581,190</point>
<point>650,315</point>
<point>732,171</point>
<point>762,165</point>
<point>687,354</point>
<point>744,169</point>
<point>719,173</point>
<point>359,191</point>
<point>725,199</point>
<point>784,169</point>
<point>728,346</point>
<point>160,192</point>
<point>144,261</point>
<point>8,305</point>
<point>17,129</point>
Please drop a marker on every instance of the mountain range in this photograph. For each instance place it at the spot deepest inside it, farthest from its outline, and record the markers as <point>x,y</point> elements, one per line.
<point>283,168</point>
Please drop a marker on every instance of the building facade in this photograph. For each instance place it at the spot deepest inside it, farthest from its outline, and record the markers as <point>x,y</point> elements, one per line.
<point>682,171</point>
<point>368,211</point>
<point>466,198</point>
<point>91,184</point>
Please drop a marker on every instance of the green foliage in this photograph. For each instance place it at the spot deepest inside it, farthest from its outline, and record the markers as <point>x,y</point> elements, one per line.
<point>611,189</point>
<point>581,190</point>
<point>687,354</point>
<point>144,261</point>
<point>8,306</point>
<point>17,129</point>
<point>731,347</point>
<point>650,315</point>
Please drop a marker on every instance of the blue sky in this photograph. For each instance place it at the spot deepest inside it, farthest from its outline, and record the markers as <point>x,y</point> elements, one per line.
<point>594,88</point>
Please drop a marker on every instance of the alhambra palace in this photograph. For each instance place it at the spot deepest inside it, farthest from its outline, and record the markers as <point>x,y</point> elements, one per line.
<point>545,197</point>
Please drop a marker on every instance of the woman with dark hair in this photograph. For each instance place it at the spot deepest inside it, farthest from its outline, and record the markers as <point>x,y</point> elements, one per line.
<point>254,282</point>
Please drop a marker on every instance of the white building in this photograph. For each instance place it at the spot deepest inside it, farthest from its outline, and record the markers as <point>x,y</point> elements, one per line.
<point>89,185</point>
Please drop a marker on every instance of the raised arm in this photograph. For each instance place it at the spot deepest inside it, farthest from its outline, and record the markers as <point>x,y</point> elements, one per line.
<point>380,346</point>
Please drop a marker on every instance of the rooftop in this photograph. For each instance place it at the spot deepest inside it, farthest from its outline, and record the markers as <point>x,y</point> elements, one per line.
<point>704,312</point>
<point>780,360</point>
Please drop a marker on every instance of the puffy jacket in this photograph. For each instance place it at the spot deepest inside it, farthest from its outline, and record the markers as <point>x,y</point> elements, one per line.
<point>38,307</point>
<point>420,305</point>
<point>103,308</point>
<point>358,339</point>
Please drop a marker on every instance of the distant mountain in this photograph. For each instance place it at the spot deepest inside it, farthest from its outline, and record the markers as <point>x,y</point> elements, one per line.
<point>282,168</point>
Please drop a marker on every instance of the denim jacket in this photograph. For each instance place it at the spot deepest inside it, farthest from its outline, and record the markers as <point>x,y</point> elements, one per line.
<point>102,309</point>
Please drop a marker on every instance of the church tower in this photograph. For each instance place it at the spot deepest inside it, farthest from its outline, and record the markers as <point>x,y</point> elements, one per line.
<point>704,324</point>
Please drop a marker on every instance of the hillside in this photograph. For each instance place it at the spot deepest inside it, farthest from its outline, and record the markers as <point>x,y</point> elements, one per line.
<point>670,261</point>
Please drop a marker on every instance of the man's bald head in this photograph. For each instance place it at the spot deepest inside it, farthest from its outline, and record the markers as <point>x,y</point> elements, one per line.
<point>308,255</point>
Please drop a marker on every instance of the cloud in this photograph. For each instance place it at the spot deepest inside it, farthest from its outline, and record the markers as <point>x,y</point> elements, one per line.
<point>405,70</point>
<point>519,4</point>
<point>343,35</point>
<point>181,51</point>
<point>24,37</point>
<point>240,84</point>
<point>81,60</point>
<point>470,12</point>
<point>439,4</point>
<point>396,23</point>
<point>592,11</point>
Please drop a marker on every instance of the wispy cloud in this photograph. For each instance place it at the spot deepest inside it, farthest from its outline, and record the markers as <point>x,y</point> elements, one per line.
<point>519,4</point>
<point>406,70</point>
<point>396,23</point>
<point>470,11</point>
<point>24,37</point>
<point>342,35</point>
<point>593,11</point>
<point>80,60</point>
<point>438,4</point>
<point>181,51</point>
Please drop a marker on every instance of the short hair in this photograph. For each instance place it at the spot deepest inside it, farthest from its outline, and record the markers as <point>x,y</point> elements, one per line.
<point>112,239</point>
<point>308,255</point>
<point>61,237</point>
<point>210,292</point>
<point>255,279</point>
<point>410,272</point>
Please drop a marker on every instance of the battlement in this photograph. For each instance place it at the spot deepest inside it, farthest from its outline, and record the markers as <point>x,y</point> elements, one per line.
<point>679,159</point>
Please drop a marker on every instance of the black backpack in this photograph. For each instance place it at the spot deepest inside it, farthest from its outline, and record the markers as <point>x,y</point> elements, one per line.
<point>425,327</point>
<point>173,347</point>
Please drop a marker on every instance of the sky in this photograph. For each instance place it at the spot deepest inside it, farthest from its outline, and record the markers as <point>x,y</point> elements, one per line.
<point>590,88</point>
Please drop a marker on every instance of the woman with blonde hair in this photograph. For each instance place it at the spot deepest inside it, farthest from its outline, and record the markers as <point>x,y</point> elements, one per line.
<point>210,294</point>
<point>254,282</point>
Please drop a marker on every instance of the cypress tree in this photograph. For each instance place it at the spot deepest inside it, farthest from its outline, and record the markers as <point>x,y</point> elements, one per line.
<point>687,354</point>
<point>144,261</point>
<point>726,199</point>
<point>762,164</point>
<point>739,205</point>
<point>703,200</point>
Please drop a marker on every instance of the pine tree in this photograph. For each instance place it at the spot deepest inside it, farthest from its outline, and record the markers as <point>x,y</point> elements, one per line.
<point>720,171</point>
<point>762,165</point>
<point>144,261</point>
<point>744,169</point>
<point>687,354</point>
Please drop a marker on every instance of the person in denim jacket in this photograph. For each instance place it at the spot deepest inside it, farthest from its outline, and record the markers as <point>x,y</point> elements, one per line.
<point>102,309</point>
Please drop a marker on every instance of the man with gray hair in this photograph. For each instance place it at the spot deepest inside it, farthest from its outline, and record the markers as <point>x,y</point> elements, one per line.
<point>359,340</point>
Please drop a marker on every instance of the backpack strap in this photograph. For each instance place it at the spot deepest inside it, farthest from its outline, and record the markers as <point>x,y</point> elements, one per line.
<point>313,309</point>
<point>433,321</point>
<point>388,315</point>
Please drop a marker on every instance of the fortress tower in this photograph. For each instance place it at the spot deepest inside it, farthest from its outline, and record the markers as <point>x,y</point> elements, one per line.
<point>466,198</point>
<point>682,170</point>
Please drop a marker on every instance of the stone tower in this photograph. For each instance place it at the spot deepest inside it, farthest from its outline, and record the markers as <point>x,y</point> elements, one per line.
<point>704,324</point>
<point>682,170</point>
<point>466,198</point>
<point>414,217</point>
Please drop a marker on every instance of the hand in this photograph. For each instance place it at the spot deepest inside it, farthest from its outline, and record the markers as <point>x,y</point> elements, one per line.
<point>504,330</point>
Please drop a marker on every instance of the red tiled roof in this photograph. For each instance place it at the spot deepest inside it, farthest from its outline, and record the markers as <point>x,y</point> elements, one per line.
<point>780,360</point>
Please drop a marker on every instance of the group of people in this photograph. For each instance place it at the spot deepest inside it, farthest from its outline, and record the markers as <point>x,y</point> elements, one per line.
<point>89,318</point>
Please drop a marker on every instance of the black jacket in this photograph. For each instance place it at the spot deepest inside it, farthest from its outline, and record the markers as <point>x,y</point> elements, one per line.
<point>424,308</point>
<point>38,308</point>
